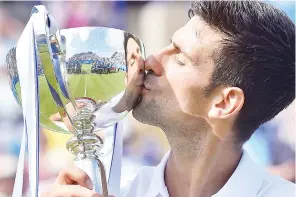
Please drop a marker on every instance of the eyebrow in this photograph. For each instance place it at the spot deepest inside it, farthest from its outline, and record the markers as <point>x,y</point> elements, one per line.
<point>180,49</point>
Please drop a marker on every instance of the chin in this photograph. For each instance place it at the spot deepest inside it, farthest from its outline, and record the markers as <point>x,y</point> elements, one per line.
<point>137,115</point>
<point>147,113</point>
<point>140,114</point>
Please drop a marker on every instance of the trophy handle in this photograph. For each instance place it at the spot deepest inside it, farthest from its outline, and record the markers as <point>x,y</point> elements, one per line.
<point>95,169</point>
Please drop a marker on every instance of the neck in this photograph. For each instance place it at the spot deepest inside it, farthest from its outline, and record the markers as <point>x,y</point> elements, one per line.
<point>199,166</point>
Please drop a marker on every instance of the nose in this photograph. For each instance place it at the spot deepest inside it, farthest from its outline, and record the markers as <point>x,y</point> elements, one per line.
<point>139,62</point>
<point>155,63</point>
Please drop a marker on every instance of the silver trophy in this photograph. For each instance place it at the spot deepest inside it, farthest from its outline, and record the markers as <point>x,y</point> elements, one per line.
<point>89,79</point>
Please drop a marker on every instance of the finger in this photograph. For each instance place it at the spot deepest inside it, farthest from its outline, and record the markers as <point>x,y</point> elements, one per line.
<point>74,175</point>
<point>72,190</point>
<point>68,123</point>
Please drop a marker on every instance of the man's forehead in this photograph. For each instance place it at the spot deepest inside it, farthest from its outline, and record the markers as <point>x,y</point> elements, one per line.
<point>197,39</point>
<point>203,31</point>
<point>132,41</point>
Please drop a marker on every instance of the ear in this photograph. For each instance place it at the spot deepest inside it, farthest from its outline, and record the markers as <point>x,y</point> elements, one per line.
<point>224,108</point>
<point>227,104</point>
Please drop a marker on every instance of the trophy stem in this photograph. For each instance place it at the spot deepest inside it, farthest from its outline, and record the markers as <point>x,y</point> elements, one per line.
<point>95,170</point>
<point>85,145</point>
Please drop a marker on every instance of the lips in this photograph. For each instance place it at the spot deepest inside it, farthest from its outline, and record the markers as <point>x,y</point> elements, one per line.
<point>145,86</point>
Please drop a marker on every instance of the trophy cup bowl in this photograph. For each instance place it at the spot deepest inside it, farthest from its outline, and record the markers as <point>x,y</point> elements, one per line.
<point>89,78</point>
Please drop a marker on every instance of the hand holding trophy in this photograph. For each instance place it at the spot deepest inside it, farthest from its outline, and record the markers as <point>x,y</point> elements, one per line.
<point>89,78</point>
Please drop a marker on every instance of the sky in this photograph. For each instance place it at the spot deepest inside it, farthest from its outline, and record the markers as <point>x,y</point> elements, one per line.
<point>102,41</point>
<point>287,6</point>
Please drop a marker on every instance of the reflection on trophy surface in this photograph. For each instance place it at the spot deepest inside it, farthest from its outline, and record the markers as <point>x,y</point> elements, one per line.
<point>89,79</point>
<point>135,73</point>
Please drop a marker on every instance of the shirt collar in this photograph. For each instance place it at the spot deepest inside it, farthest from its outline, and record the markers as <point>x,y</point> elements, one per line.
<point>157,185</point>
<point>244,182</point>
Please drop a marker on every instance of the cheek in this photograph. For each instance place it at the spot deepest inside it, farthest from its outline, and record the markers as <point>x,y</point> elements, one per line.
<point>130,73</point>
<point>196,102</point>
<point>188,91</point>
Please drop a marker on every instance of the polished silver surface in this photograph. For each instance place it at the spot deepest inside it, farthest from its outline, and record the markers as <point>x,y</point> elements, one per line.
<point>89,69</point>
<point>89,78</point>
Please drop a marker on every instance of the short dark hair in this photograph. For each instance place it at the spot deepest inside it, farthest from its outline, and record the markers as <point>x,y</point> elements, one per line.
<point>257,55</point>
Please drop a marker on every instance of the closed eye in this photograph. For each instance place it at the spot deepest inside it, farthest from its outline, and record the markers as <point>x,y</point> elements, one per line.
<point>178,48</point>
<point>179,60</point>
<point>132,62</point>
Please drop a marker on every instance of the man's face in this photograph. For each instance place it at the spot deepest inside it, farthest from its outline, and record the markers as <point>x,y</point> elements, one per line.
<point>135,74</point>
<point>133,59</point>
<point>177,76</point>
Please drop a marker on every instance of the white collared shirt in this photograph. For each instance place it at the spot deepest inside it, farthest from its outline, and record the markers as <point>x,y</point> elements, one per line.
<point>248,180</point>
